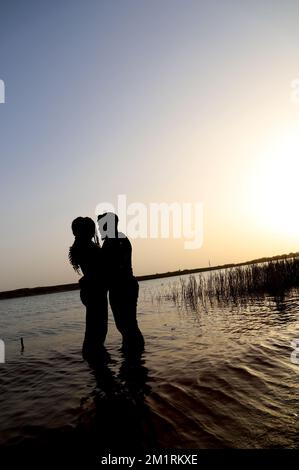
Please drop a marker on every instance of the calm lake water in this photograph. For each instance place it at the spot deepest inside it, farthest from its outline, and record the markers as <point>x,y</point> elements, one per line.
<point>212,378</point>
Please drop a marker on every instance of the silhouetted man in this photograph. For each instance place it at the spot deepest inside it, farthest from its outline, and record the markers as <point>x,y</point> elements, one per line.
<point>122,285</point>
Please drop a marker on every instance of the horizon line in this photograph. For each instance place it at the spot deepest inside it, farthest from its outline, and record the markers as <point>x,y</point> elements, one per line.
<point>40,290</point>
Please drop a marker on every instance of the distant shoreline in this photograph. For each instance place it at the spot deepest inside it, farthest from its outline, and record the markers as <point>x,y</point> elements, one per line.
<point>26,292</point>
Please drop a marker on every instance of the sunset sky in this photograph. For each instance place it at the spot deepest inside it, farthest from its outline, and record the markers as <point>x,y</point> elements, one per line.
<point>160,100</point>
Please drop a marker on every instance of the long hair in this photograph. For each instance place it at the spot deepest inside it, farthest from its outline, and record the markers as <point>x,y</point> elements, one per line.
<point>84,230</point>
<point>74,258</point>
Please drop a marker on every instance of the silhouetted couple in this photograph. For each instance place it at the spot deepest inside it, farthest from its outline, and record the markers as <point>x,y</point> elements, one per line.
<point>105,269</point>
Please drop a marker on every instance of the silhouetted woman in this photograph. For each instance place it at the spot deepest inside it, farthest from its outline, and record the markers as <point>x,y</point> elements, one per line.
<point>85,255</point>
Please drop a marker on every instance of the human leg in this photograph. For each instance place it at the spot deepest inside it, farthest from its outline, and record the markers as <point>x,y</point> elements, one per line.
<point>96,320</point>
<point>123,300</point>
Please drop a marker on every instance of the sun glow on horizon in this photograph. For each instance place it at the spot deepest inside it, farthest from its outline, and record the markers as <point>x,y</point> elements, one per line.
<point>275,188</point>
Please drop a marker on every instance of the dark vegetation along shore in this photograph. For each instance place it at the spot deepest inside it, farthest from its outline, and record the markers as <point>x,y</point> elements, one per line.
<point>228,283</point>
<point>236,284</point>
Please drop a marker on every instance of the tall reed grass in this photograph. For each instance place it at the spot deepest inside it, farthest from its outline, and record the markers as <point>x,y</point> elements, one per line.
<point>237,283</point>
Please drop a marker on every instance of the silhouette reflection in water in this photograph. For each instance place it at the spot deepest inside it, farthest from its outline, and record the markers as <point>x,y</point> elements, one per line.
<point>117,418</point>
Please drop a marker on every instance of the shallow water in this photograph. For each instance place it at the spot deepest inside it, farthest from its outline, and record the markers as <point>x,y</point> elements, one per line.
<point>217,377</point>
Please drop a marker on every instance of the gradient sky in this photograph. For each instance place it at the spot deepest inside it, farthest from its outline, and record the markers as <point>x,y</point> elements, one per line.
<point>172,100</point>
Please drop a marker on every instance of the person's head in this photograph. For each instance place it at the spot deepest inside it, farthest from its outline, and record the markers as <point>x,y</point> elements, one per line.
<point>83,228</point>
<point>108,223</point>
